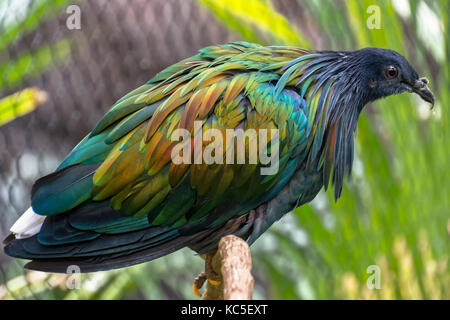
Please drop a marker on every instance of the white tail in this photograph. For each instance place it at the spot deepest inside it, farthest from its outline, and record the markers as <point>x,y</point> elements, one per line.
<point>27,225</point>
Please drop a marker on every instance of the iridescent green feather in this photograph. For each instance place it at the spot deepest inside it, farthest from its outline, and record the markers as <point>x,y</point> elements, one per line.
<point>237,85</point>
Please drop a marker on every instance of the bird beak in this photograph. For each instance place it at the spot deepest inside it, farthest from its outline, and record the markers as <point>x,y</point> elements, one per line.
<point>421,88</point>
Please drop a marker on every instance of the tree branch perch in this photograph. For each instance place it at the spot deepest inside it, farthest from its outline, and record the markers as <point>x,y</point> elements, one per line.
<point>232,263</point>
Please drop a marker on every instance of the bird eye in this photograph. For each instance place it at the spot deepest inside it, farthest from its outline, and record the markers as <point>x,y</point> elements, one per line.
<point>391,72</point>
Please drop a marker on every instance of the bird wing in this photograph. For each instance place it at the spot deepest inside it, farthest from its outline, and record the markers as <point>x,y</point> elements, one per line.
<point>126,159</point>
<point>119,185</point>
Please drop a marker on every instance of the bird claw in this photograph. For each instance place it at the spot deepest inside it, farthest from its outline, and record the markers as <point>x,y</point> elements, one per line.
<point>214,282</point>
<point>209,274</point>
<point>198,283</point>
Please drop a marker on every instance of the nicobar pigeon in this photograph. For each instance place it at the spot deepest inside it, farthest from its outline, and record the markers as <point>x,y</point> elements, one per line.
<point>118,199</point>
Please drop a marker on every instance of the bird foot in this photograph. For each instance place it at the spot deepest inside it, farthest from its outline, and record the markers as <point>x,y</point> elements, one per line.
<point>209,274</point>
<point>198,283</point>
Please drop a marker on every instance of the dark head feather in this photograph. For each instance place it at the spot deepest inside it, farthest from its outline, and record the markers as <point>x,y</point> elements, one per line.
<point>348,81</point>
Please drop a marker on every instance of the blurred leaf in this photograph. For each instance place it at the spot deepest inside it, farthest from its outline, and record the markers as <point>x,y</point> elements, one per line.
<point>20,103</point>
<point>33,63</point>
<point>38,11</point>
<point>256,20</point>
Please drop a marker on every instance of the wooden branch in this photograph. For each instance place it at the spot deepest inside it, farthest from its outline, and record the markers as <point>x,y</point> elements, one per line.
<point>232,263</point>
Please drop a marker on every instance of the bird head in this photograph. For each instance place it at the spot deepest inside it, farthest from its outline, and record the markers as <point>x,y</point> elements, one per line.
<point>385,72</point>
<point>350,80</point>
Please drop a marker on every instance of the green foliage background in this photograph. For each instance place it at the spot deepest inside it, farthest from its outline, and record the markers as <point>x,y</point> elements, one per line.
<point>394,213</point>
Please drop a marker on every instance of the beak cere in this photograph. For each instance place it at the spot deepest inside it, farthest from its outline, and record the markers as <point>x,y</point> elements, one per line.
<point>421,88</point>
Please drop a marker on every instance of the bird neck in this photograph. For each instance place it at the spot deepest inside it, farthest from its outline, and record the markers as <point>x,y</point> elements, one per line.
<point>331,139</point>
<point>336,100</point>
<point>333,90</point>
